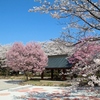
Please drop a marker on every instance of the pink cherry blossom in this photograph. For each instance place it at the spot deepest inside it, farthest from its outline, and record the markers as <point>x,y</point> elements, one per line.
<point>29,57</point>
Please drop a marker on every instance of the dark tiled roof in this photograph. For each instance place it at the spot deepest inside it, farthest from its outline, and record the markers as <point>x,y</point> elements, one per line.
<point>58,61</point>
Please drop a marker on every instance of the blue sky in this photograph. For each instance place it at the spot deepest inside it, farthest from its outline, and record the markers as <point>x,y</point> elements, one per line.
<point>19,25</point>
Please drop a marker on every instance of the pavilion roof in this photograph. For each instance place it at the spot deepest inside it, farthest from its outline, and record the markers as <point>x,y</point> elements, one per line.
<point>58,61</point>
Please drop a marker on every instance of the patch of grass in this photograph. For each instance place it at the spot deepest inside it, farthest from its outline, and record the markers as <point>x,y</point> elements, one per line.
<point>46,83</point>
<point>65,85</point>
<point>36,81</point>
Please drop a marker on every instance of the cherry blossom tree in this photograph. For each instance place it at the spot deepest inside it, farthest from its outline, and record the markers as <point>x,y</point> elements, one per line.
<point>27,58</point>
<point>81,20</point>
<point>3,66</point>
<point>81,17</point>
<point>86,59</point>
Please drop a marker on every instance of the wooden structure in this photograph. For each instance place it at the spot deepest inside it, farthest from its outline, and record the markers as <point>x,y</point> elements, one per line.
<point>57,62</point>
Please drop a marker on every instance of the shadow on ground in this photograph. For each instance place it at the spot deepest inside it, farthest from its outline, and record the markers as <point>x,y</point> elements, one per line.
<point>13,81</point>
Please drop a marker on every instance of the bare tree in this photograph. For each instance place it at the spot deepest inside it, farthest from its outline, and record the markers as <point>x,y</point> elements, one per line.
<point>82,17</point>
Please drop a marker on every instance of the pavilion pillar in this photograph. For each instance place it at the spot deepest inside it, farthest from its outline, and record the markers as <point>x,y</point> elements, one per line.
<point>52,73</point>
<point>63,76</point>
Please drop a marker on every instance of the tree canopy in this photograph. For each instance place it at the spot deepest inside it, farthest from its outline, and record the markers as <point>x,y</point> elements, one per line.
<point>86,60</point>
<point>82,17</point>
<point>27,58</point>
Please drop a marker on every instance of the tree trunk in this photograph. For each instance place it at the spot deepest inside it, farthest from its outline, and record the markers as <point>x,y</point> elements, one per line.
<point>26,75</point>
<point>42,75</point>
<point>7,72</point>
